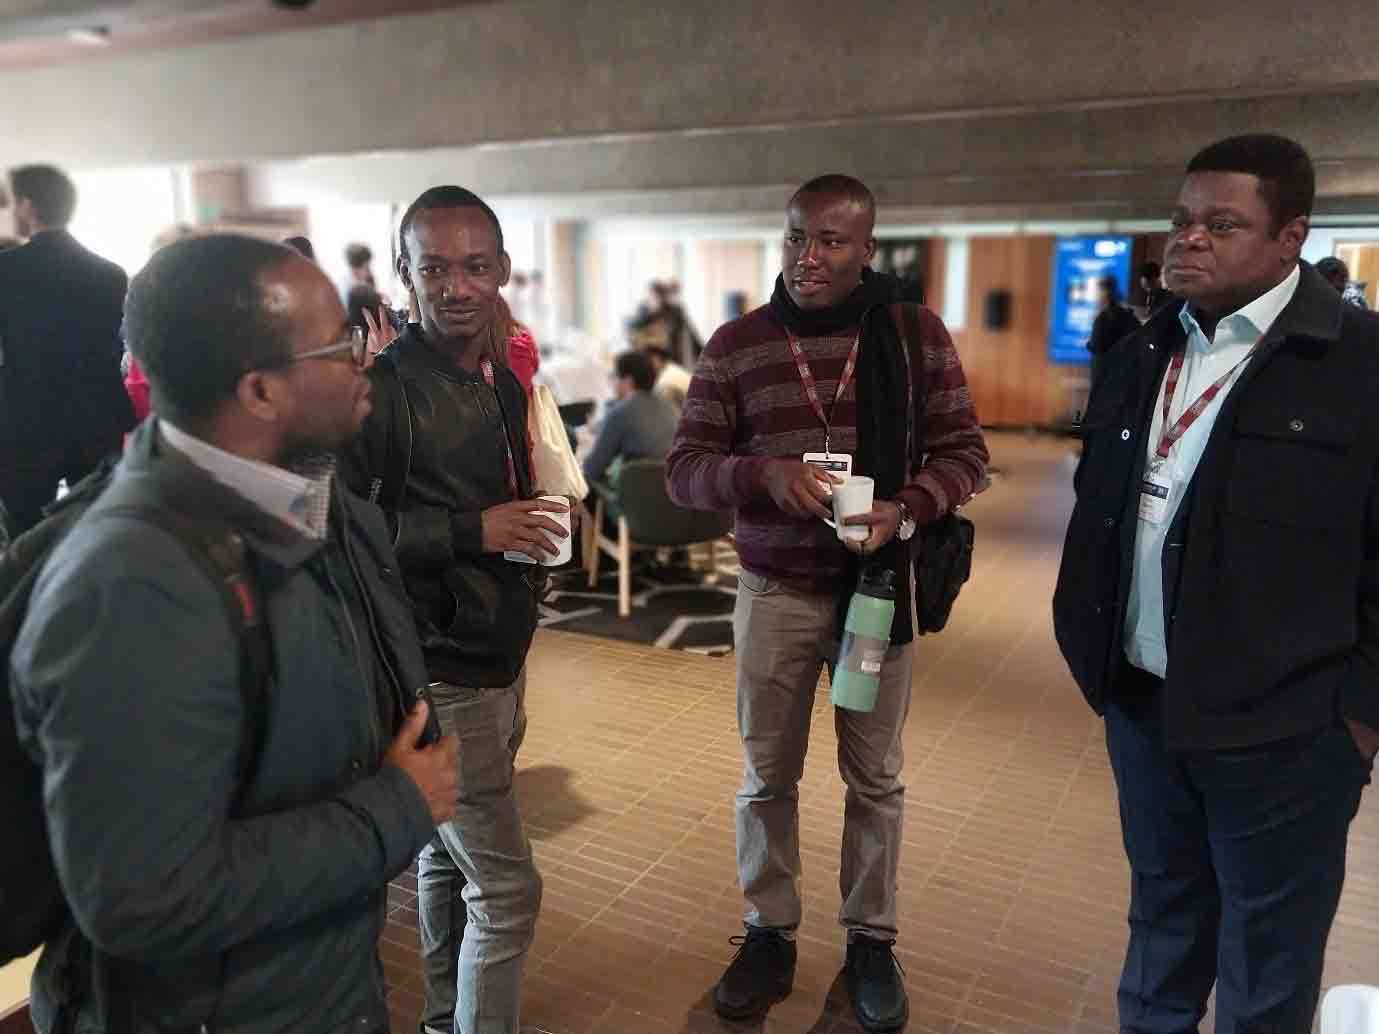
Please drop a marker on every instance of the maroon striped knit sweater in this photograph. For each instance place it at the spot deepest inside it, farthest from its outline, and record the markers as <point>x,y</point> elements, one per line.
<point>746,406</point>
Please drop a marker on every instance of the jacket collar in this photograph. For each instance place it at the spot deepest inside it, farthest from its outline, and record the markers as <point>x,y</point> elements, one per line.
<point>411,344</point>
<point>1314,314</point>
<point>1159,338</point>
<point>148,461</point>
<point>57,238</point>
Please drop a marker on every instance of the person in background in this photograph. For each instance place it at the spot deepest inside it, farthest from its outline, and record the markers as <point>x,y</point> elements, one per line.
<point>1218,600</point>
<point>302,246</point>
<point>639,425</point>
<point>227,894</point>
<point>1337,274</point>
<point>662,322</point>
<point>512,343</point>
<point>1113,323</point>
<point>136,387</point>
<point>823,369</point>
<point>62,406</point>
<point>361,294</point>
<point>467,506</point>
<point>672,379</point>
<point>1150,293</point>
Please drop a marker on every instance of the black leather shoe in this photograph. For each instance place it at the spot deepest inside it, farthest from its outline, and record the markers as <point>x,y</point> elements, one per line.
<point>761,974</point>
<point>873,977</point>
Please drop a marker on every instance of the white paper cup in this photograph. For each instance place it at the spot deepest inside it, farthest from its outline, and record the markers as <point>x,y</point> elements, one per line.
<point>852,498</point>
<point>565,545</point>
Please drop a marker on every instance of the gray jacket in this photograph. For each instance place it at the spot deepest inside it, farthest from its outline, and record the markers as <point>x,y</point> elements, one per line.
<point>244,909</point>
<point>641,427</point>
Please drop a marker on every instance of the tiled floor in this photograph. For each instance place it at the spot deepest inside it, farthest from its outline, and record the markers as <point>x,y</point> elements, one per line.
<point>1013,881</point>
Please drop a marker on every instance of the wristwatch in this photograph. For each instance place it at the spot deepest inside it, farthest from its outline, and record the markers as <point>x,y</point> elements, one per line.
<point>906,531</point>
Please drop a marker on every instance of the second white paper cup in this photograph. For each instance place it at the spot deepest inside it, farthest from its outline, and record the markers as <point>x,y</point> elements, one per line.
<point>565,545</point>
<point>852,499</point>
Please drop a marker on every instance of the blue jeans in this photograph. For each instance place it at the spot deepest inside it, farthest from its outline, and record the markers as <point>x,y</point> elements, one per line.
<point>1237,859</point>
<point>478,888</point>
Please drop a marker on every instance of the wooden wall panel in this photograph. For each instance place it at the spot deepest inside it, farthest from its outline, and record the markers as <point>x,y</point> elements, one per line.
<point>728,266</point>
<point>937,275</point>
<point>1012,380</point>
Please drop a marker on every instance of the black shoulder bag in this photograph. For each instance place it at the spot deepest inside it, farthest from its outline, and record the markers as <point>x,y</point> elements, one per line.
<point>942,550</point>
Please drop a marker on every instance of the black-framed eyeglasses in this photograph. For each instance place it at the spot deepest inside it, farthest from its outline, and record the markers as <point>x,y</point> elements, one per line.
<point>356,343</point>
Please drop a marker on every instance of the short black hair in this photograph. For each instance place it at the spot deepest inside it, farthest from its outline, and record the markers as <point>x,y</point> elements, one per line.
<point>838,185</point>
<point>1150,271</point>
<point>358,255</point>
<point>438,198</point>
<point>302,246</point>
<point>1111,287</point>
<point>1332,266</point>
<point>638,366</point>
<point>49,189</point>
<point>195,320</point>
<point>1287,180</point>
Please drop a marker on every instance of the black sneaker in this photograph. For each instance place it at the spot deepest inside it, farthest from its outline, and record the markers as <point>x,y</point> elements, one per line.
<point>873,977</point>
<point>761,974</point>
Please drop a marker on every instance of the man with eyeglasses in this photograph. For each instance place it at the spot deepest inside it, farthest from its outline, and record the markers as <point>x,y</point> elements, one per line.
<point>225,848</point>
<point>445,453</point>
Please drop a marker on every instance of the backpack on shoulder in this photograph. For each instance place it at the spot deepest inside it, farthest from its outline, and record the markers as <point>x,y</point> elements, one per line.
<point>31,897</point>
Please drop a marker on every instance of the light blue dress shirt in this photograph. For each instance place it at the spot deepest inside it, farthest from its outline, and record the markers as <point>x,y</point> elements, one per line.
<point>1204,362</point>
<point>299,498</point>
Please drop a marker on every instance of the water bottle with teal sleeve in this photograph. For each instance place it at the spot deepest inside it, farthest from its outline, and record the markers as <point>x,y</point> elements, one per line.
<point>866,640</point>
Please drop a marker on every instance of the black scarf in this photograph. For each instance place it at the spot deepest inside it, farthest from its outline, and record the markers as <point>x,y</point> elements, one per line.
<point>881,417</point>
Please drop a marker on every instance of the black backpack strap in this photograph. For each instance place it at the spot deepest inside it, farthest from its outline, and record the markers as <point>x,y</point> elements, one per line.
<point>389,489</point>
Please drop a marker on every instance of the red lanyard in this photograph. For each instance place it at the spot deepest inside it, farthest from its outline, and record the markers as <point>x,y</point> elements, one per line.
<point>487,367</point>
<point>811,389</point>
<point>1172,434</point>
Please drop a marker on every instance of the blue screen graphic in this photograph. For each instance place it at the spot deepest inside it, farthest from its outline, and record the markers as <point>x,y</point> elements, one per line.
<point>1078,264</point>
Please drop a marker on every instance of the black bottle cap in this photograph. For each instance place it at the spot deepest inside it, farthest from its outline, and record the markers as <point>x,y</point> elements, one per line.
<point>878,581</point>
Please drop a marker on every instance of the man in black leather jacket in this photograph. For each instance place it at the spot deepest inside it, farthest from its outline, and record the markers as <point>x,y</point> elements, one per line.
<point>445,454</point>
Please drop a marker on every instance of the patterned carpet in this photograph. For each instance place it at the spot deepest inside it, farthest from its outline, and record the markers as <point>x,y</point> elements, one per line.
<point>673,608</point>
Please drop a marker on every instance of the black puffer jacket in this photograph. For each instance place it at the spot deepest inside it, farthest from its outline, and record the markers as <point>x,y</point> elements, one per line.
<point>475,611</point>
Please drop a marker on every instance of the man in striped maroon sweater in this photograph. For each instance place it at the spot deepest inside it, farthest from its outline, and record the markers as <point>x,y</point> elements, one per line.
<point>749,420</point>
